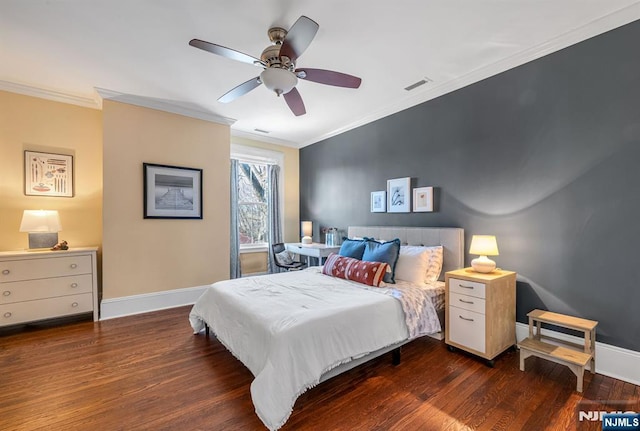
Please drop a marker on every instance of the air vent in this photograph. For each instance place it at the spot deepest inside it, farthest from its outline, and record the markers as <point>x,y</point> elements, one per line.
<point>261,131</point>
<point>417,84</point>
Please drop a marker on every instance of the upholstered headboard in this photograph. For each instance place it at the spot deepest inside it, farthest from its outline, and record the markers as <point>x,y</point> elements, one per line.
<point>450,238</point>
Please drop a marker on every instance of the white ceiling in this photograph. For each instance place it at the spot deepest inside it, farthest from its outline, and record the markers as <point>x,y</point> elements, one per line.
<point>138,50</point>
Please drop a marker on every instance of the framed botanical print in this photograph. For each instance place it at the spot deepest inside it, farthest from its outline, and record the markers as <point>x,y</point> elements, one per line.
<point>399,195</point>
<point>423,199</point>
<point>379,202</point>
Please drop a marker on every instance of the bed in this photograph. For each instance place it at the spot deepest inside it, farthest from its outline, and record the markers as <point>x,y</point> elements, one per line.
<point>294,330</point>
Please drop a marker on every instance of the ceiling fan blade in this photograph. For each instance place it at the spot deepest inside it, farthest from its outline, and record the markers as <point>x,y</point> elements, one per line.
<point>329,77</point>
<point>240,90</point>
<point>294,100</point>
<point>225,52</point>
<point>299,37</point>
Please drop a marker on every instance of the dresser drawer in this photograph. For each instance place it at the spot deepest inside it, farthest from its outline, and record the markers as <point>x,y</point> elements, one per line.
<point>45,288</point>
<point>465,287</point>
<point>20,312</point>
<point>467,328</point>
<point>467,302</point>
<point>32,269</point>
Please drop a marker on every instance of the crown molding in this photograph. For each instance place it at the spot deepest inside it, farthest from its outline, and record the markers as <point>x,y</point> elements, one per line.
<point>433,90</point>
<point>163,105</point>
<point>56,96</point>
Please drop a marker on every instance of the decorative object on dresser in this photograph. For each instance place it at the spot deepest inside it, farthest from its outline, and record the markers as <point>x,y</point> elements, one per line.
<point>43,227</point>
<point>47,174</point>
<point>483,245</point>
<point>379,202</point>
<point>423,199</point>
<point>561,352</point>
<point>47,284</point>
<point>172,192</point>
<point>307,232</point>
<point>480,312</point>
<point>399,195</point>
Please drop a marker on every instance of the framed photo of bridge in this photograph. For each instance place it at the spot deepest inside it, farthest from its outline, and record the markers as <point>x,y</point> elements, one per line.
<point>172,192</point>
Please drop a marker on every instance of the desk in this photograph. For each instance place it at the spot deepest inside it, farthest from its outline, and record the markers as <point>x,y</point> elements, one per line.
<point>317,250</point>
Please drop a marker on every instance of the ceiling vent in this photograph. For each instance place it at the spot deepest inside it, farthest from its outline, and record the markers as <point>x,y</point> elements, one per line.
<point>261,131</point>
<point>417,84</point>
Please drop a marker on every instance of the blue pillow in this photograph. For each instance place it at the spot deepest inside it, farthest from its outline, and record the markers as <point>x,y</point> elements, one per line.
<point>383,252</point>
<point>352,248</point>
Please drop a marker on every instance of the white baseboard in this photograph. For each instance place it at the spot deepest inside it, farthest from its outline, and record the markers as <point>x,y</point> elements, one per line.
<point>146,302</point>
<point>612,361</point>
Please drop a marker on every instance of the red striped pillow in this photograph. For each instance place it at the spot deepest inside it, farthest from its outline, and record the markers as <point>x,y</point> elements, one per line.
<point>369,273</point>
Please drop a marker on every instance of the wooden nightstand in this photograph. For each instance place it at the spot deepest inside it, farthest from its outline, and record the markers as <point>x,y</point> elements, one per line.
<point>480,312</point>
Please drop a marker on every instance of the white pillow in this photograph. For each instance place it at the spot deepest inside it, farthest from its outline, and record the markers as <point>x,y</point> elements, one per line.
<point>419,265</point>
<point>284,257</point>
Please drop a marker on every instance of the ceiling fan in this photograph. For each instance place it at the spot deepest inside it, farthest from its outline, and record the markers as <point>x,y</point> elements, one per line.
<point>279,63</point>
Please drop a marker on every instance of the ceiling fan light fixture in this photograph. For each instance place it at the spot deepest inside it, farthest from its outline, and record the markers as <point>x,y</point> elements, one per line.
<point>280,81</point>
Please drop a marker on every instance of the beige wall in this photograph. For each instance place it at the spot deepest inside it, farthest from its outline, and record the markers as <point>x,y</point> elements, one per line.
<point>257,261</point>
<point>152,255</point>
<point>29,123</point>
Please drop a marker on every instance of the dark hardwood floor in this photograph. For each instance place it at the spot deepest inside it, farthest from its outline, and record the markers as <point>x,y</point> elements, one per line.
<point>149,372</point>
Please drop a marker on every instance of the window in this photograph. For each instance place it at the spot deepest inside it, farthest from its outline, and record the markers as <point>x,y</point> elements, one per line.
<point>253,194</point>
<point>253,188</point>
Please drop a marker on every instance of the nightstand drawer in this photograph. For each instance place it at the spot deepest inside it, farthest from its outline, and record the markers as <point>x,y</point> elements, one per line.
<point>32,269</point>
<point>466,287</point>
<point>20,312</point>
<point>467,328</point>
<point>45,288</point>
<point>467,302</point>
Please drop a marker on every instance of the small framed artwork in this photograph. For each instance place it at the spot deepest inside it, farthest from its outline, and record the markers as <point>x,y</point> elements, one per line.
<point>423,199</point>
<point>399,195</point>
<point>172,192</point>
<point>379,202</point>
<point>48,174</point>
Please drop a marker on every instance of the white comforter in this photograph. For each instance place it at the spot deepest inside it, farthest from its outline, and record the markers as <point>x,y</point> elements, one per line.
<point>290,328</point>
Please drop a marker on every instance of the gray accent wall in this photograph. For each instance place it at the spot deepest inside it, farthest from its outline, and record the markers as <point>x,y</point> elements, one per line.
<point>545,156</point>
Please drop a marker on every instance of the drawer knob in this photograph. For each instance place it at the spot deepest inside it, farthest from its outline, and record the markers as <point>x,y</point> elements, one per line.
<point>7,314</point>
<point>6,293</point>
<point>73,265</point>
<point>74,285</point>
<point>466,287</point>
<point>465,318</point>
<point>465,301</point>
<point>75,304</point>
<point>6,272</point>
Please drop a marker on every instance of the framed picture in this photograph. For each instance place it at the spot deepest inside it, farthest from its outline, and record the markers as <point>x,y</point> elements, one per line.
<point>399,195</point>
<point>423,199</point>
<point>379,202</point>
<point>172,192</point>
<point>47,174</point>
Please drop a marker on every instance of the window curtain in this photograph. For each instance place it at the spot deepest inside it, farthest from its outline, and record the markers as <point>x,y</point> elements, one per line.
<point>235,242</point>
<point>275,232</point>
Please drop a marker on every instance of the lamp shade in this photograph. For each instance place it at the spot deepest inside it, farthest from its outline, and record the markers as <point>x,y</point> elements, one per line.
<point>484,245</point>
<point>281,81</point>
<point>307,232</point>
<point>40,221</point>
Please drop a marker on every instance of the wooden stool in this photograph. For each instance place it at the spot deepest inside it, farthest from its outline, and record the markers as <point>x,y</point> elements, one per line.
<point>573,356</point>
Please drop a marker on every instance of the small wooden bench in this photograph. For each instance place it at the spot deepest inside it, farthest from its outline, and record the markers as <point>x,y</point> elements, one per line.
<point>573,355</point>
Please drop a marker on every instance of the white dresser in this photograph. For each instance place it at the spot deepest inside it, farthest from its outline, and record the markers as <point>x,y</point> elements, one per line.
<point>480,311</point>
<point>46,284</point>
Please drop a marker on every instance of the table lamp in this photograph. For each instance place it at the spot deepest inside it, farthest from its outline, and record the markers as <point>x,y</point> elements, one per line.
<point>307,232</point>
<point>43,227</point>
<point>483,245</point>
